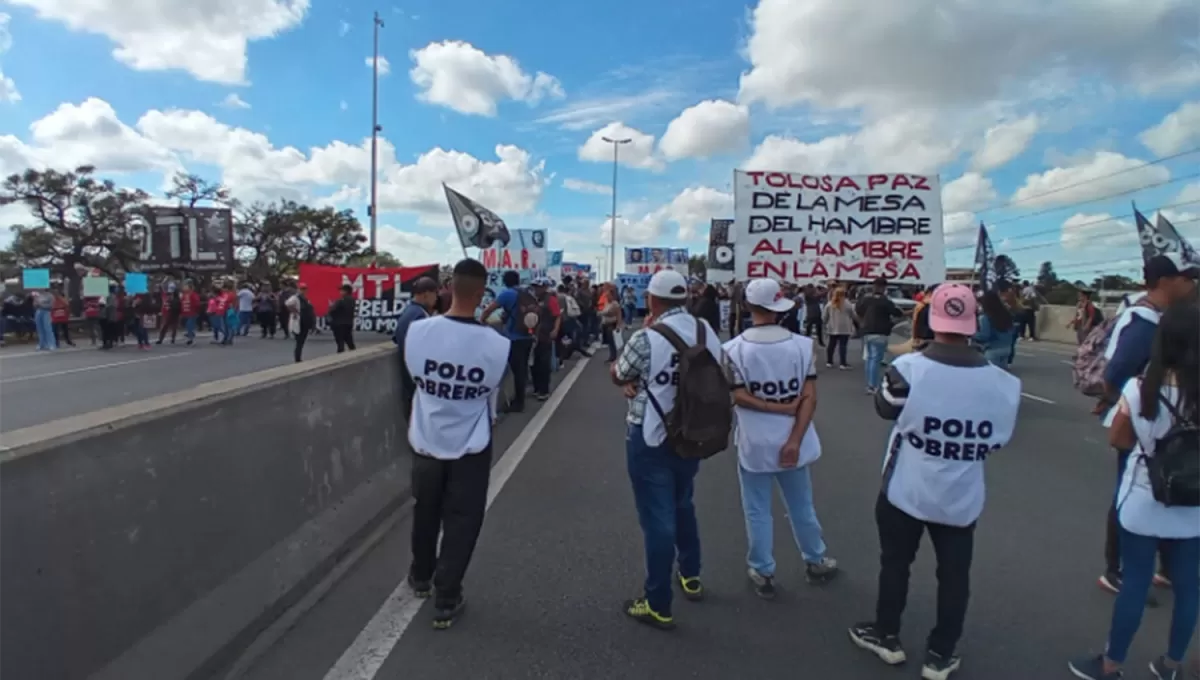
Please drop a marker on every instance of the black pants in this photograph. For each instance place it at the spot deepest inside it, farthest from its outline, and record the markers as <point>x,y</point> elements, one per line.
<point>518,363</point>
<point>170,322</point>
<point>267,321</point>
<point>899,538</point>
<point>838,342</point>
<point>343,335</point>
<point>301,336</point>
<point>62,333</point>
<point>109,332</point>
<point>451,496</point>
<point>815,323</point>
<point>541,367</point>
<point>1112,545</point>
<point>284,317</point>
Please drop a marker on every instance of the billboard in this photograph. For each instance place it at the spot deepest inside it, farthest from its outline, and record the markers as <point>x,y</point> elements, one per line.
<point>177,237</point>
<point>651,260</point>
<point>800,228</point>
<point>375,290</point>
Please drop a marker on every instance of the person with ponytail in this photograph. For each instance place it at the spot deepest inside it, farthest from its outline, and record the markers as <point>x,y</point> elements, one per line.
<point>838,319</point>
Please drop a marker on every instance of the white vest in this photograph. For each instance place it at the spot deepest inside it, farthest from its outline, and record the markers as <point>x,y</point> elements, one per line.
<point>1137,509</point>
<point>773,371</point>
<point>663,381</point>
<point>953,419</point>
<point>458,368</point>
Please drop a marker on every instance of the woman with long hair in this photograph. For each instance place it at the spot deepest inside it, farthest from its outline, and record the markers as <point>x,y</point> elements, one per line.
<point>1166,396</point>
<point>996,329</point>
<point>838,320</point>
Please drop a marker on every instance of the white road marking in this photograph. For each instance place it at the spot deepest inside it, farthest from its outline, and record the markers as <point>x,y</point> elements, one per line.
<point>374,644</point>
<point>1037,398</point>
<point>41,353</point>
<point>97,367</point>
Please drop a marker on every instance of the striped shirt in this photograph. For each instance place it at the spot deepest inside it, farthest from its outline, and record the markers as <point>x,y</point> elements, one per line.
<point>634,364</point>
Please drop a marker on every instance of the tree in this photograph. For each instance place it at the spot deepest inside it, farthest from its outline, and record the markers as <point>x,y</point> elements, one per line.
<point>1006,269</point>
<point>1046,276</point>
<point>365,258</point>
<point>698,266</point>
<point>1115,282</point>
<point>77,222</point>
<point>325,235</point>
<point>190,190</point>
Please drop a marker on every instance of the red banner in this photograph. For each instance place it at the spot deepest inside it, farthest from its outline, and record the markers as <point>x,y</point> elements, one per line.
<point>374,287</point>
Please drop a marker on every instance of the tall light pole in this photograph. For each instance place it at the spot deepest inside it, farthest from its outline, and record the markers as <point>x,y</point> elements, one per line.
<point>612,234</point>
<point>375,129</point>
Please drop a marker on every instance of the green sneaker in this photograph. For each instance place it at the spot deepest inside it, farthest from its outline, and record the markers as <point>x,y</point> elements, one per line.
<point>692,588</point>
<point>639,610</point>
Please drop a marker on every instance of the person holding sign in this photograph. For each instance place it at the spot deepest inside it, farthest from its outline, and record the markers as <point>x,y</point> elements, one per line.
<point>953,409</point>
<point>457,364</point>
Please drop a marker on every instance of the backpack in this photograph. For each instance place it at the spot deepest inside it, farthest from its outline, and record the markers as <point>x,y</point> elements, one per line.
<point>1087,369</point>
<point>1174,469</point>
<point>572,307</point>
<point>527,312</point>
<point>701,420</point>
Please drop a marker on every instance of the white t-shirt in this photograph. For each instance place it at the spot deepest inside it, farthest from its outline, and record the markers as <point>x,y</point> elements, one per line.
<point>458,366</point>
<point>952,419</point>
<point>1138,511</point>
<point>772,364</point>
<point>245,300</point>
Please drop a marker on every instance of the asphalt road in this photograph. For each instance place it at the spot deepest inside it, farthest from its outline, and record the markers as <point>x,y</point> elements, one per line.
<point>37,387</point>
<point>560,550</point>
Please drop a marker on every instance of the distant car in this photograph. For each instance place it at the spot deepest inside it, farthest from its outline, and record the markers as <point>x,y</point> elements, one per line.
<point>898,299</point>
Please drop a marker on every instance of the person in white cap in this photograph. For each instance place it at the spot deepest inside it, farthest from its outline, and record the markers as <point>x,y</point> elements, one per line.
<point>649,371</point>
<point>953,409</point>
<point>775,395</point>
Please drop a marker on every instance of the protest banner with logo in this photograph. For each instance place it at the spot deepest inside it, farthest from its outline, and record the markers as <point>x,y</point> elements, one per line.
<point>719,266</point>
<point>554,265</point>
<point>638,282</point>
<point>196,239</point>
<point>804,228</point>
<point>375,289</point>
<point>526,249</point>
<point>651,260</point>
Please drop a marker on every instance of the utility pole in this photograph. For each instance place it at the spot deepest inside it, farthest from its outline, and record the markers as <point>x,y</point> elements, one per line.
<point>375,130</point>
<point>612,234</point>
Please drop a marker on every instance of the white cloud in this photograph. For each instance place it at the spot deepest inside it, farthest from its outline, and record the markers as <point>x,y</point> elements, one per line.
<point>585,187</point>
<point>638,153</point>
<point>1105,173</point>
<point>589,113</point>
<point>460,76</point>
<point>901,143</point>
<point>690,209</point>
<point>385,67</point>
<point>1004,142</point>
<point>8,89</point>
<point>971,192</point>
<point>929,53</point>
<point>959,229</point>
<point>233,101</point>
<point>1189,194</point>
<point>1083,231</point>
<point>207,41</point>
<point>413,249</point>
<point>707,129</point>
<point>85,134</point>
<point>1179,131</point>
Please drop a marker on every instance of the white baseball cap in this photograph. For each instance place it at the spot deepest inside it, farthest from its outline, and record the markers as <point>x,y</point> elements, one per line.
<point>668,284</point>
<point>766,293</point>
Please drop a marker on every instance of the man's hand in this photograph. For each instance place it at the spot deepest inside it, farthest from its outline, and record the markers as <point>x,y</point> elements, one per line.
<point>630,390</point>
<point>789,455</point>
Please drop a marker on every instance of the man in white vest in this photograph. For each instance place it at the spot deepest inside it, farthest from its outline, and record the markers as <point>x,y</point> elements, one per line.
<point>457,365</point>
<point>953,409</point>
<point>662,481</point>
<point>775,392</point>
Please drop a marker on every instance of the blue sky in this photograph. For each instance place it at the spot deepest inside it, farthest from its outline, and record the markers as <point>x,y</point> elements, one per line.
<point>501,100</point>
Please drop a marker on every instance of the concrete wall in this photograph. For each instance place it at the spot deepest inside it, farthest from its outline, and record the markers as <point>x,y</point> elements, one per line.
<point>155,539</point>
<point>1052,323</point>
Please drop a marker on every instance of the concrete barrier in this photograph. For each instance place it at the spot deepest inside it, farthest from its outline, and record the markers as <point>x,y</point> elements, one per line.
<point>1052,323</point>
<point>156,539</point>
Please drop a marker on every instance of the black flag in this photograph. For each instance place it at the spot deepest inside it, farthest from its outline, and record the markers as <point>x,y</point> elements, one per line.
<point>720,248</point>
<point>477,226</point>
<point>985,259</point>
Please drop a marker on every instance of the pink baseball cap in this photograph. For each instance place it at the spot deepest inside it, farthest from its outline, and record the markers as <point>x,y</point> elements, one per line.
<point>952,310</point>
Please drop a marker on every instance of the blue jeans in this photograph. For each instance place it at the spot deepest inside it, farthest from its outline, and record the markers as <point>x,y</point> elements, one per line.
<point>629,311</point>
<point>1137,564</point>
<point>662,490</point>
<point>876,349</point>
<point>218,326</point>
<point>999,356</point>
<point>45,329</point>
<point>244,321</point>
<point>796,488</point>
<point>189,325</point>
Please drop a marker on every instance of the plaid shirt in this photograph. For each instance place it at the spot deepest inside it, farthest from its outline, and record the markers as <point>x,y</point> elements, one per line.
<point>634,365</point>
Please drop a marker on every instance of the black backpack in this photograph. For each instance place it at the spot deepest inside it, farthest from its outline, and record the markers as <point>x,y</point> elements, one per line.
<point>528,311</point>
<point>1174,469</point>
<point>699,424</point>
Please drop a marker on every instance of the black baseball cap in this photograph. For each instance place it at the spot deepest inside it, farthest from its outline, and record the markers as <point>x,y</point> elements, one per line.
<point>1167,266</point>
<point>424,285</point>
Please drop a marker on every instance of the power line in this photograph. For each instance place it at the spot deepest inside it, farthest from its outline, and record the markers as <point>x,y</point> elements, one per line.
<point>1098,199</point>
<point>1092,180</point>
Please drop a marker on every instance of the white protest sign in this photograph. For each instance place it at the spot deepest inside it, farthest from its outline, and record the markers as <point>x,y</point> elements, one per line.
<point>795,227</point>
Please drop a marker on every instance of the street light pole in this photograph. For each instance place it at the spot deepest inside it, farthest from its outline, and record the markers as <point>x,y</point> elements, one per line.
<point>612,234</point>
<point>374,208</point>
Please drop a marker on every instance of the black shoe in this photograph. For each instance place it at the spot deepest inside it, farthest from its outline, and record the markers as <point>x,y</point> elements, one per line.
<point>639,610</point>
<point>938,667</point>
<point>1162,671</point>
<point>692,588</point>
<point>421,589</point>
<point>764,586</point>
<point>446,612</point>
<point>886,647</point>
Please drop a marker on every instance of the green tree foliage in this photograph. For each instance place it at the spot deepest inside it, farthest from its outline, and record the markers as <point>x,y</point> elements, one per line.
<point>698,266</point>
<point>1006,269</point>
<point>1046,276</point>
